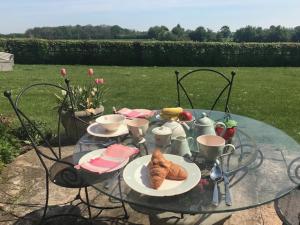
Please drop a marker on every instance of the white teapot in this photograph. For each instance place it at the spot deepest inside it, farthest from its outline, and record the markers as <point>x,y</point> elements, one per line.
<point>177,129</point>
<point>205,125</point>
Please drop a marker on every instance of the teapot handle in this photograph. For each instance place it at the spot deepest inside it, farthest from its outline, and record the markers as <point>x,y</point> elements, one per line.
<point>220,124</point>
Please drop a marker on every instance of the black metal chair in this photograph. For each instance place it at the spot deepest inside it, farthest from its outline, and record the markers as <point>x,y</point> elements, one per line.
<point>181,89</point>
<point>61,171</point>
<point>288,207</point>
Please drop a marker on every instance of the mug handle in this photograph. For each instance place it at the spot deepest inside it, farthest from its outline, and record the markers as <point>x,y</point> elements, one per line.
<point>221,125</point>
<point>231,150</point>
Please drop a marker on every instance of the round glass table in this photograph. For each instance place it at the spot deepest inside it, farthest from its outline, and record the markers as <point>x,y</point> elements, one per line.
<point>264,167</point>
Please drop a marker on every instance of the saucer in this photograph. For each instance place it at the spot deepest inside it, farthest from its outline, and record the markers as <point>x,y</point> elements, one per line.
<point>97,130</point>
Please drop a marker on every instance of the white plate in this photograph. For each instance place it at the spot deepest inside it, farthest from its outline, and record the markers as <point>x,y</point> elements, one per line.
<point>136,177</point>
<point>97,153</point>
<point>97,130</point>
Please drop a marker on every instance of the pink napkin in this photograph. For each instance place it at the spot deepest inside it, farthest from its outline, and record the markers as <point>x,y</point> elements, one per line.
<point>104,163</point>
<point>120,151</point>
<point>99,165</point>
<point>111,158</point>
<point>136,113</point>
<point>96,169</point>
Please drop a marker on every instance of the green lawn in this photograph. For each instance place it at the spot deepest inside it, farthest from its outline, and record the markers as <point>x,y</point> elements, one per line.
<point>268,94</point>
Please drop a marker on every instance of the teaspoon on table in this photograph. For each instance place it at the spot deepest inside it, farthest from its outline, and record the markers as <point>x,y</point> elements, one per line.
<point>215,175</point>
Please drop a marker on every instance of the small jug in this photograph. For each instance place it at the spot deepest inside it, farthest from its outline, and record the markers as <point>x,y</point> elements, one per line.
<point>181,146</point>
<point>205,125</point>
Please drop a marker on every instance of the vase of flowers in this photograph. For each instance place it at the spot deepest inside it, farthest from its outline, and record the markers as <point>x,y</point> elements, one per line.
<point>87,102</point>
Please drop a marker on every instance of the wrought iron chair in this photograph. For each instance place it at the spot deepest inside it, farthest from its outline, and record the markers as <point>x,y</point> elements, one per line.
<point>62,171</point>
<point>182,90</point>
<point>288,207</point>
<point>225,91</point>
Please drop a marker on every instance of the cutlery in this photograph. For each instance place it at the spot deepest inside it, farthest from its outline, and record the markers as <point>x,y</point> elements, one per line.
<point>228,200</point>
<point>216,175</point>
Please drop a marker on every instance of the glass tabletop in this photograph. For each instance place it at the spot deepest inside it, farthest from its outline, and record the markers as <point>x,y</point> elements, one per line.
<point>262,169</point>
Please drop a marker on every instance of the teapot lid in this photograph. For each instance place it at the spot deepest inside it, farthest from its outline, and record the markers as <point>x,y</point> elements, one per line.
<point>205,120</point>
<point>162,130</point>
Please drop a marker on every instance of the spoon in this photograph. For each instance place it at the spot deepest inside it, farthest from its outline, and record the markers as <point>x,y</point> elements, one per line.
<point>216,175</point>
<point>228,200</point>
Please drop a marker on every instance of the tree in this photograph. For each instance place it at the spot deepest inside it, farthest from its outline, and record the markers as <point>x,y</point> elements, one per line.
<point>249,34</point>
<point>167,36</point>
<point>210,35</point>
<point>115,31</point>
<point>296,34</point>
<point>178,31</point>
<point>224,33</point>
<point>198,35</point>
<point>277,33</point>
<point>154,32</point>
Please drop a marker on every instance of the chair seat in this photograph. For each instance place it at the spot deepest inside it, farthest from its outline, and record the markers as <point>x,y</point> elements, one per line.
<point>66,176</point>
<point>288,208</point>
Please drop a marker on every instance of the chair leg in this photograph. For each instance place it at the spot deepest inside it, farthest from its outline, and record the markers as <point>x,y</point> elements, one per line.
<point>88,202</point>
<point>126,216</point>
<point>47,200</point>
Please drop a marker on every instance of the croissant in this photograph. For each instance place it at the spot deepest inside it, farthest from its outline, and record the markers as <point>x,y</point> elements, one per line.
<point>176,172</point>
<point>158,169</point>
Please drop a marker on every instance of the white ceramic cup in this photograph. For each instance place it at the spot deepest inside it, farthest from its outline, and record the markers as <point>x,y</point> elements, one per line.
<point>213,146</point>
<point>162,136</point>
<point>137,128</point>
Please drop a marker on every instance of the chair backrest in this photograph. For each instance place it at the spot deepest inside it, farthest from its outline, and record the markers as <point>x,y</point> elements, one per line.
<point>30,127</point>
<point>225,91</point>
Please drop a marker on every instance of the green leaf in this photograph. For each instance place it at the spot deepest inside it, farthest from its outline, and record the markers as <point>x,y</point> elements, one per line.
<point>230,123</point>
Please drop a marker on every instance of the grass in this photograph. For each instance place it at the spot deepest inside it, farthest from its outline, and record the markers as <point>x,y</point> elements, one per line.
<point>268,94</point>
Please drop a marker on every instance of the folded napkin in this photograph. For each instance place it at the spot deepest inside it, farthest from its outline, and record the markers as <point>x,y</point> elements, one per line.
<point>100,165</point>
<point>136,113</point>
<point>111,159</point>
<point>120,151</point>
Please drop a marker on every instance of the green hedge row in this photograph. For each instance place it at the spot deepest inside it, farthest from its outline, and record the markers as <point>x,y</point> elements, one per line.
<point>152,53</point>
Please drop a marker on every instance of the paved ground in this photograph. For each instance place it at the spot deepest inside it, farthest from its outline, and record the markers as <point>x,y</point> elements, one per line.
<point>22,197</point>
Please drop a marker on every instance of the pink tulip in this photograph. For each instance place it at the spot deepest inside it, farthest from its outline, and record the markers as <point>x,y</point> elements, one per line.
<point>99,81</point>
<point>90,72</point>
<point>63,72</point>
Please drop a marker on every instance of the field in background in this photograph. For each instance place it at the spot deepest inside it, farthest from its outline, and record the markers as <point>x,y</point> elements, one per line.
<point>268,94</point>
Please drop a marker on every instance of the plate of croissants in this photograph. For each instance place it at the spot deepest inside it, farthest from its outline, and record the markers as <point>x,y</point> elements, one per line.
<point>161,174</point>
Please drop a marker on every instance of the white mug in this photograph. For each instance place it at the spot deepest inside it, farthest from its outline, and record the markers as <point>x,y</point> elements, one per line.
<point>213,146</point>
<point>138,128</point>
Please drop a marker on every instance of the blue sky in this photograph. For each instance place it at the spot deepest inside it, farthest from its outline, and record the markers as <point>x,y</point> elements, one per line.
<point>19,15</point>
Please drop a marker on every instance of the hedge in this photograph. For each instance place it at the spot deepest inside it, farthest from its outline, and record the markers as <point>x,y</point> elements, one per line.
<point>152,53</point>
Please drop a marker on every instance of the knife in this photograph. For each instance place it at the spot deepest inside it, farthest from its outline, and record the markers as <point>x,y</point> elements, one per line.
<point>228,200</point>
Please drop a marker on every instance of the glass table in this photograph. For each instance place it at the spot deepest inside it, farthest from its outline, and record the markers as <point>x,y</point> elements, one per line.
<point>264,167</point>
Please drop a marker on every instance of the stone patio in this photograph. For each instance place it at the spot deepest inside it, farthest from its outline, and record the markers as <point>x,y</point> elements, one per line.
<point>22,198</point>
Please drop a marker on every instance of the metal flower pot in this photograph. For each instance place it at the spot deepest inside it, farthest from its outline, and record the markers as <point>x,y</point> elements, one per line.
<point>75,128</point>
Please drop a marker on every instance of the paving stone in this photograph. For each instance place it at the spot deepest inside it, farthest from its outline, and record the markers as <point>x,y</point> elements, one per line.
<point>22,198</point>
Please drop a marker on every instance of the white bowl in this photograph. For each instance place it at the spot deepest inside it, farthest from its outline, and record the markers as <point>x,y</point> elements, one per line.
<point>111,122</point>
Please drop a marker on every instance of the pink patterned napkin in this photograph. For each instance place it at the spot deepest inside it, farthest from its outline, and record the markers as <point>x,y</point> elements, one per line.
<point>135,113</point>
<point>104,163</point>
<point>110,159</point>
<point>120,151</point>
